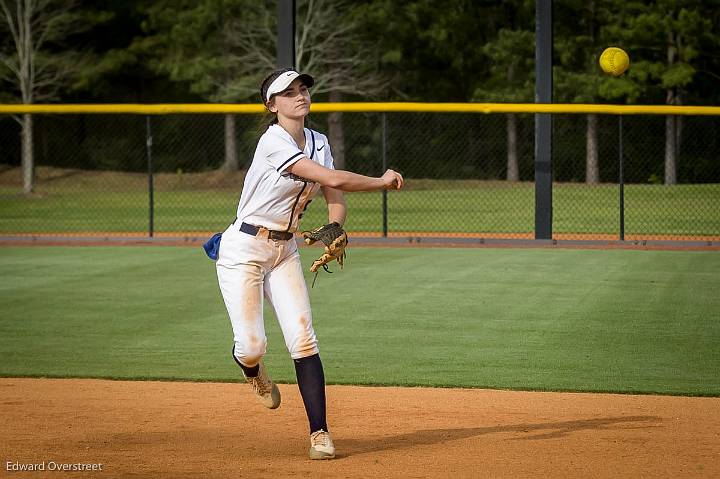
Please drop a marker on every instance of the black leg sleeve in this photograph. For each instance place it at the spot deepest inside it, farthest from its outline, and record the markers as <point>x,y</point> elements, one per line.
<point>249,372</point>
<point>311,381</point>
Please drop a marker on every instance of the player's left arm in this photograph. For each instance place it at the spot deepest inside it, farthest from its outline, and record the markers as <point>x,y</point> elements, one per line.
<point>337,208</point>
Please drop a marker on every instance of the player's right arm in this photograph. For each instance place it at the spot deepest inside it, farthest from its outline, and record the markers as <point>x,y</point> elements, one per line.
<point>345,180</point>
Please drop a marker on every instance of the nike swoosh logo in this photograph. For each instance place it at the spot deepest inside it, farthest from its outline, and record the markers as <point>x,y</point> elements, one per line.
<point>289,74</point>
<point>320,147</point>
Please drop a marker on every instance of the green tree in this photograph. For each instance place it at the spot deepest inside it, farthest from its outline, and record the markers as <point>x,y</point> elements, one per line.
<point>224,48</point>
<point>512,76</point>
<point>432,49</point>
<point>38,60</point>
<point>667,38</point>
<point>120,73</point>
<point>185,40</point>
<point>450,50</point>
<point>578,78</point>
<point>511,71</point>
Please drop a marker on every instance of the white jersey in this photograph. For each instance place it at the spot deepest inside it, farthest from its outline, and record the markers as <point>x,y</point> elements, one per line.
<point>273,197</point>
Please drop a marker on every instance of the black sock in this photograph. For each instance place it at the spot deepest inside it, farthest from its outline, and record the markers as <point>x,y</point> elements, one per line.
<point>311,381</point>
<point>249,372</point>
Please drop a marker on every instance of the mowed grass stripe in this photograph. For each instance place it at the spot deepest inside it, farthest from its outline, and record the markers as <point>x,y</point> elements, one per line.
<point>586,320</point>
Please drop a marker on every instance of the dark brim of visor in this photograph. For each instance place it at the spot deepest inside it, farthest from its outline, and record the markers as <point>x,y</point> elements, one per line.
<point>307,80</point>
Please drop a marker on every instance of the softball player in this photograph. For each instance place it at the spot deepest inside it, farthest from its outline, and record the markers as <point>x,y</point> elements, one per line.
<point>258,256</point>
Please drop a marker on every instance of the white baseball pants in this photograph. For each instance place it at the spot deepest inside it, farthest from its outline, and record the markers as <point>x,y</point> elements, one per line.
<point>250,267</point>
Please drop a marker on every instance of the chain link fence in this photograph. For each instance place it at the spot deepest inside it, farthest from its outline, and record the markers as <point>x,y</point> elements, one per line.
<point>467,174</point>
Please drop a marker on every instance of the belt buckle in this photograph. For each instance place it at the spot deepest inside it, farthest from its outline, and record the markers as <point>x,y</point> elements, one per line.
<point>264,233</point>
<point>278,235</point>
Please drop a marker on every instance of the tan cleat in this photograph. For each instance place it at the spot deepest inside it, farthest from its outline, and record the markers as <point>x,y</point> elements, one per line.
<point>321,445</point>
<point>265,389</point>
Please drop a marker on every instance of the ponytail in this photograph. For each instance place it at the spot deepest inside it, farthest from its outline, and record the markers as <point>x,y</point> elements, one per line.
<point>267,120</point>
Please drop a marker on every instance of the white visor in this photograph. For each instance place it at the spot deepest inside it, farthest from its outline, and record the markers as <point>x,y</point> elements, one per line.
<point>284,80</point>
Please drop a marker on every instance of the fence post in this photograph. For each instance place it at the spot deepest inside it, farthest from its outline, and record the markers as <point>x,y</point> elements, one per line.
<point>151,199</point>
<point>384,168</point>
<point>285,41</point>
<point>621,179</point>
<point>543,121</point>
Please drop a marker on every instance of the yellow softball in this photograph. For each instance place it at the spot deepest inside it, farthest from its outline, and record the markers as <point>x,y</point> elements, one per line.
<point>614,61</point>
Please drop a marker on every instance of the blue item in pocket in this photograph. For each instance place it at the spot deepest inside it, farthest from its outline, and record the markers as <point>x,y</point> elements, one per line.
<point>212,246</point>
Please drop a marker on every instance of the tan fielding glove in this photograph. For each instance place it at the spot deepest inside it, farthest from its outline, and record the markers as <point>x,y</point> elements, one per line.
<point>335,240</point>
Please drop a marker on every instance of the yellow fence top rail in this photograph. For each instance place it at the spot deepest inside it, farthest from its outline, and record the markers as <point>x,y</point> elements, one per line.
<point>217,108</point>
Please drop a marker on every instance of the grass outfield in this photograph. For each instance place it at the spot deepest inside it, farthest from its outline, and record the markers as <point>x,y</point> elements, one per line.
<point>112,203</point>
<point>546,319</point>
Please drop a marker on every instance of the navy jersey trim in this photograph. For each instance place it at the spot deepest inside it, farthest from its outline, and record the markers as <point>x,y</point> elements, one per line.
<point>297,199</point>
<point>312,150</point>
<point>289,160</point>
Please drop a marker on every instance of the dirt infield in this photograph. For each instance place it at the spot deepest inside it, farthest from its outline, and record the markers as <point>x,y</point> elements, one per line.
<point>172,429</point>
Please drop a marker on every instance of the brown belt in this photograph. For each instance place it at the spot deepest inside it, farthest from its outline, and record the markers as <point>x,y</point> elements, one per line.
<point>253,230</point>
